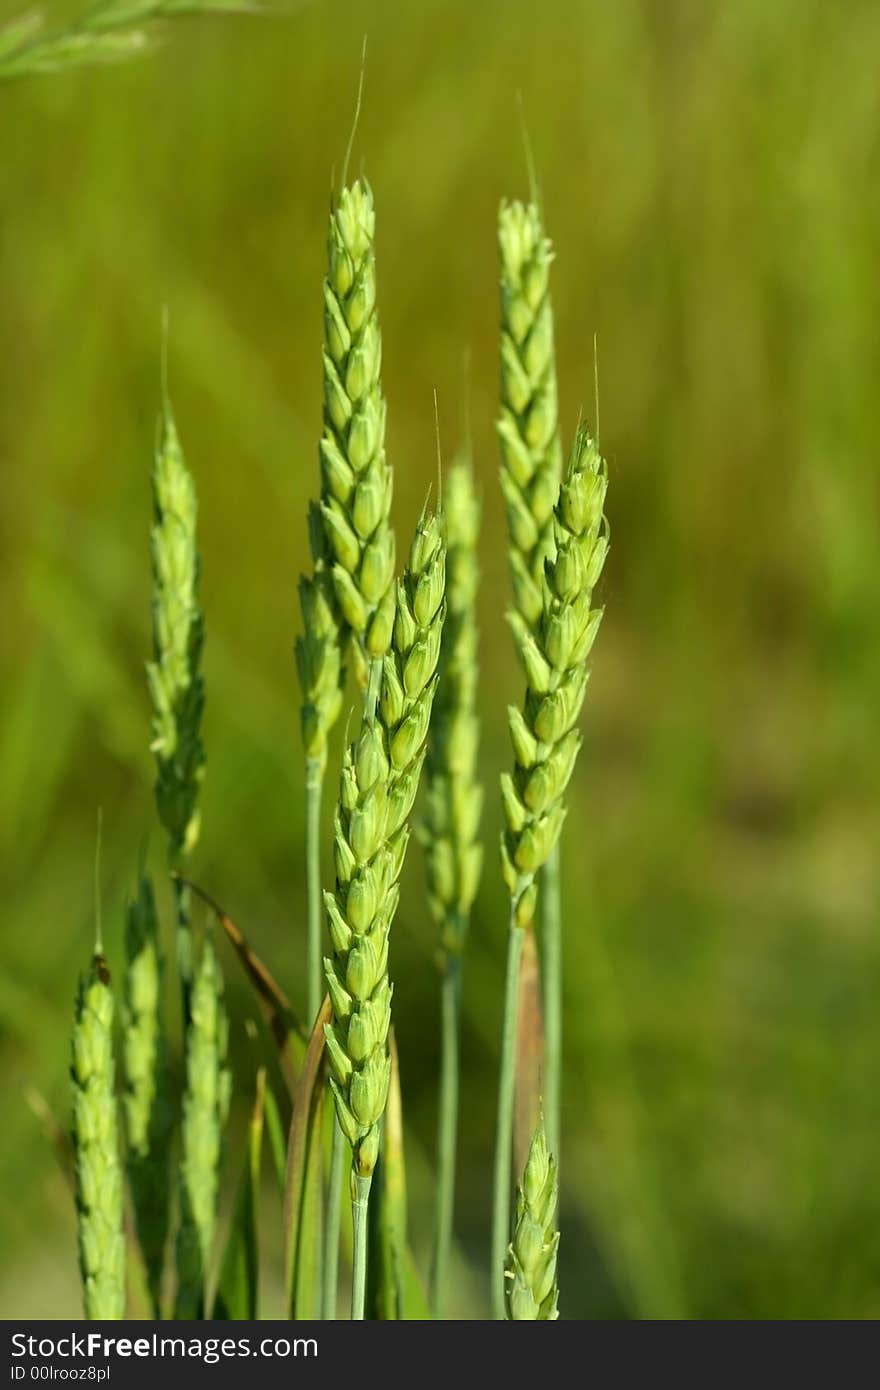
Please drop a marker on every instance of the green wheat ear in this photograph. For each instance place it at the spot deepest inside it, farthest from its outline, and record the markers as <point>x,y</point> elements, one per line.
<point>147,1099</point>
<point>530,1276</point>
<point>528,427</point>
<point>178,631</point>
<point>377,789</point>
<point>454,795</point>
<point>356,480</point>
<point>205,1108</point>
<point>554,656</point>
<point>96,1144</point>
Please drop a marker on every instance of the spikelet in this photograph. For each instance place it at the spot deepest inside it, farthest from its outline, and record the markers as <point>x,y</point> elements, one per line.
<point>96,1146</point>
<point>174,677</point>
<point>530,1276</point>
<point>554,656</point>
<point>377,788</point>
<point>528,426</point>
<point>454,795</point>
<point>356,480</point>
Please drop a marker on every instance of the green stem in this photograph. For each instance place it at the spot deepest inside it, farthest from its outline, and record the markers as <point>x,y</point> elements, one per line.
<point>314,966</point>
<point>447,1132</point>
<point>333,1221</point>
<point>360,1199</point>
<point>504,1132</point>
<point>551,979</point>
<point>184,944</point>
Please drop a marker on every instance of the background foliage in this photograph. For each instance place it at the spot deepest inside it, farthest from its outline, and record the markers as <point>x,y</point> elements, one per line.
<point>710,176</point>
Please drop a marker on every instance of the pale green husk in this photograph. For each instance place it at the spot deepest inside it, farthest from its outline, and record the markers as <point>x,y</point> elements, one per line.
<point>528,427</point>
<point>454,795</point>
<point>205,1108</point>
<point>377,789</point>
<point>554,656</point>
<point>96,1144</point>
<point>532,1290</point>
<point>146,1098</point>
<point>356,480</point>
<point>174,677</point>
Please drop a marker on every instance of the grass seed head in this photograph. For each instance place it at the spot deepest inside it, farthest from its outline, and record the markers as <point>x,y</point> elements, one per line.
<point>96,1144</point>
<point>528,429</point>
<point>205,1108</point>
<point>356,480</point>
<point>377,788</point>
<point>454,795</point>
<point>554,655</point>
<point>532,1291</point>
<point>174,677</point>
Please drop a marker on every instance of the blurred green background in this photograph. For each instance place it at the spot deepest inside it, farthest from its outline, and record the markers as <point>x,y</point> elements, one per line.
<point>710,174</point>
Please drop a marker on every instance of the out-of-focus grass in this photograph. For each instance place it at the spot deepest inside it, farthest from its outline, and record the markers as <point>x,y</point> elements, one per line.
<point>710,176</point>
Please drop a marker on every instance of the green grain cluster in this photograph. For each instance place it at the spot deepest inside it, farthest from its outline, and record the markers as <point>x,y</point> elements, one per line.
<point>356,481</point>
<point>554,655</point>
<point>454,795</point>
<point>205,1108</point>
<point>532,1291</point>
<point>146,1098</point>
<point>96,1144</point>
<point>175,681</point>
<point>377,789</point>
<point>528,427</point>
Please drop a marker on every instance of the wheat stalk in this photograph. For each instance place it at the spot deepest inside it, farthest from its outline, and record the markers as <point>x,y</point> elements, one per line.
<point>450,833</point>
<point>96,1144</point>
<point>146,1098</point>
<point>532,1290</point>
<point>377,789</point>
<point>205,1108</point>
<point>546,743</point>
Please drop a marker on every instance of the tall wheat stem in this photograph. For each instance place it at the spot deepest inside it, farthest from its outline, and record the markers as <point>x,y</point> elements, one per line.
<point>447,1131</point>
<point>550,903</point>
<point>504,1123</point>
<point>360,1197</point>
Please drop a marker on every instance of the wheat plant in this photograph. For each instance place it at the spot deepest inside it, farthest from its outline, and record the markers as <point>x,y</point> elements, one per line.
<point>377,789</point>
<point>545,745</point>
<point>531,454</point>
<point>412,644</point>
